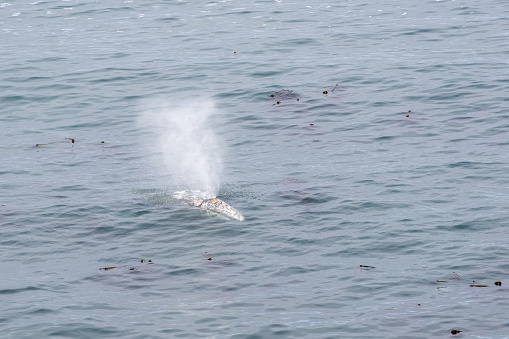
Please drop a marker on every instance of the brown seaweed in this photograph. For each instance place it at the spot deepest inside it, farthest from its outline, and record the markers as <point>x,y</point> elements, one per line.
<point>108,268</point>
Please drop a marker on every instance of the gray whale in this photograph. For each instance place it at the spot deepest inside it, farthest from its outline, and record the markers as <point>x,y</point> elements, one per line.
<point>218,206</point>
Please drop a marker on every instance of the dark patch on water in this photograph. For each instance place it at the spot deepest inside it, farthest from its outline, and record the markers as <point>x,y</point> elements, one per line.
<point>19,290</point>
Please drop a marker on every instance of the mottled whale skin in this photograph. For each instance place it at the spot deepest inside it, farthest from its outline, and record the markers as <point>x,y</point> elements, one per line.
<point>218,206</point>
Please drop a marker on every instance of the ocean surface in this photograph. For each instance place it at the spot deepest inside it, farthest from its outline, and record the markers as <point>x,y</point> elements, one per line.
<point>366,143</point>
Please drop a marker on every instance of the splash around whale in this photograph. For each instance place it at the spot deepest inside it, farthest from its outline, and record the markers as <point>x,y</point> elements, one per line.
<point>218,206</point>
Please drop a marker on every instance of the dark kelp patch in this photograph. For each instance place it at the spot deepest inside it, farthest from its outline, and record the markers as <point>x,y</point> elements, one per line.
<point>455,277</point>
<point>334,88</point>
<point>284,95</point>
<point>410,113</point>
<point>130,268</point>
<point>108,268</point>
<point>72,140</point>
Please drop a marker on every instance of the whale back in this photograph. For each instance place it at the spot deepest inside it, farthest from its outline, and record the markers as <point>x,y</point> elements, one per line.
<point>218,206</point>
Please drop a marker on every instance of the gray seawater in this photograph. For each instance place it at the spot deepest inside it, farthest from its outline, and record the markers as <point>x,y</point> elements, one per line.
<point>403,166</point>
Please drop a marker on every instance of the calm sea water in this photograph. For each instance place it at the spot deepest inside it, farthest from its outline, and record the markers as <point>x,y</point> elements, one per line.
<point>402,167</point>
